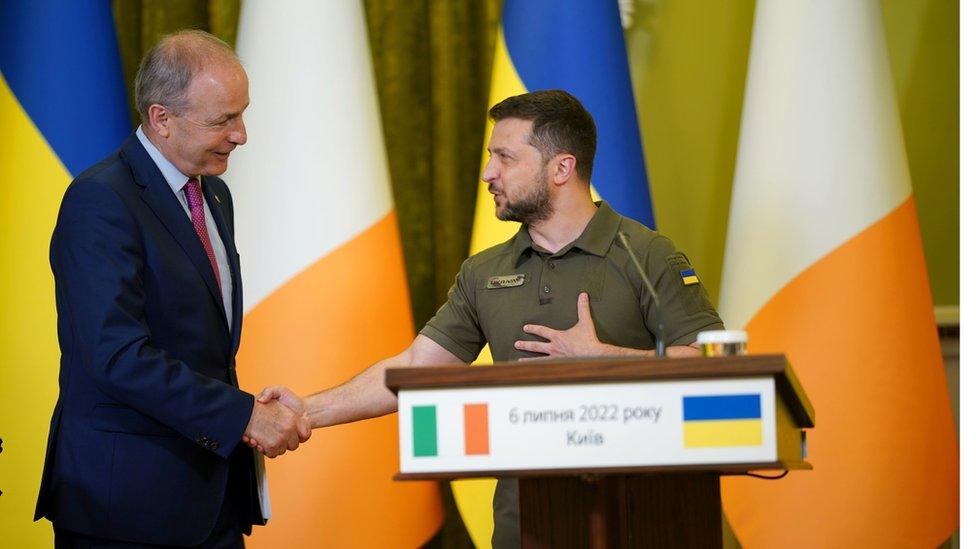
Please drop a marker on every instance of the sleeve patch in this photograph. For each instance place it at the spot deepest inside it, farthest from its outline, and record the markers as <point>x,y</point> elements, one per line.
<point>689,287</point>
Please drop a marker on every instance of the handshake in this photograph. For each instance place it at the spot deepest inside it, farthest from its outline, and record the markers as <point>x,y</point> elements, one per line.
<point>279,422</point>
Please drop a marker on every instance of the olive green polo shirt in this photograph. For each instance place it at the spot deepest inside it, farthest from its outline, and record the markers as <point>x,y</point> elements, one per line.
<point>515,283</point>
<point>505,287</point>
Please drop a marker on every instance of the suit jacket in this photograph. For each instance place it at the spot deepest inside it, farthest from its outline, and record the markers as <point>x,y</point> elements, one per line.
<point>149,413</point>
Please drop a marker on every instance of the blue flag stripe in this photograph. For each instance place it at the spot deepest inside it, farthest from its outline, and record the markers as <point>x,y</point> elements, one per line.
<point>697,408</point>
<point>61,60</point>
<point>578,46</point>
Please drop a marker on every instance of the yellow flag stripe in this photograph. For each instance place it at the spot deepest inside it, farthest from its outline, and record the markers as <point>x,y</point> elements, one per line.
<point>505,82</point>
<point>32,181</point>
<point>473,497</point>
<point>733,432</point>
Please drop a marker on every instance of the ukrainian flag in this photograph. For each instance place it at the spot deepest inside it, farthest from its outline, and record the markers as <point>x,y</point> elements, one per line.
<point>714,421</point>
<point>578,46</point>
<point>689,277</point>
<point>62,108</point>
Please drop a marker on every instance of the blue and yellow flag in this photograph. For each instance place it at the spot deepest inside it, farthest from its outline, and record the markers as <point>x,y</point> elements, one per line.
<point>577,46</point>
<point>62,108</point>
<point>712,421</point>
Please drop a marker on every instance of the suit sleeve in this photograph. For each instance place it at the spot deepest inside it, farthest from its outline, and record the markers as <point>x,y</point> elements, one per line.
<point>98,260</point>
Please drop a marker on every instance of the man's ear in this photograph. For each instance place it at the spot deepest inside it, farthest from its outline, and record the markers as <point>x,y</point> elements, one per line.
<point>159,119</point>
<point>565,167</point>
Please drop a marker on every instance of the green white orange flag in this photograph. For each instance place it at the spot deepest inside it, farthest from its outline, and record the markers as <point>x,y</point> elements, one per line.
<point>325,291</point>
<point>824,263</point>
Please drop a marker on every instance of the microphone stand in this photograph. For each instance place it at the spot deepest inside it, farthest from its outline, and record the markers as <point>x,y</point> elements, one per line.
<point>659,340</point>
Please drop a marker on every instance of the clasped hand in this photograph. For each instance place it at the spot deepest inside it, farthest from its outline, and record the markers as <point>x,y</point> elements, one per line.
<point>580,340</point>
<point>277,425</point>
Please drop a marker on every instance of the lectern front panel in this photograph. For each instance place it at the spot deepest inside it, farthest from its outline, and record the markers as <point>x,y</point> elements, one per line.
<point>588,426</point>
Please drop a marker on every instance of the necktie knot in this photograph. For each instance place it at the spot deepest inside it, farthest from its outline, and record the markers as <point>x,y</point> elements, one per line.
<point>194,195</point>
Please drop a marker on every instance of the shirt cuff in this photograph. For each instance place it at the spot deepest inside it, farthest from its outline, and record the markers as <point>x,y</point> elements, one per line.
<point>446,342</point>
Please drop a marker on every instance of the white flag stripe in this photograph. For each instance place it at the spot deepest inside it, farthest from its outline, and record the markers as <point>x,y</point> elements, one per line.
<point>450,430</point>
<point>313,173</point>
<point>820,151</point>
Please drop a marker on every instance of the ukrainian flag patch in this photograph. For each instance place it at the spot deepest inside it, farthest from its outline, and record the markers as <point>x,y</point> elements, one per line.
<point>689,277</point>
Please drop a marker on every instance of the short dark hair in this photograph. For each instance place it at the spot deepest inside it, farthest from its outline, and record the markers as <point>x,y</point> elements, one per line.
<point>560,124</point>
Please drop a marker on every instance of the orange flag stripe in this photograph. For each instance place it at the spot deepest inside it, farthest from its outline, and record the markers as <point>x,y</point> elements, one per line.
<point>343,313</point>
<point>867,352</point>
<point>476,429</point>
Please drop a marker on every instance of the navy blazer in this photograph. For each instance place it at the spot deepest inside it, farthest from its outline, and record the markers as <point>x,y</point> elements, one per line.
<point>149,412</point>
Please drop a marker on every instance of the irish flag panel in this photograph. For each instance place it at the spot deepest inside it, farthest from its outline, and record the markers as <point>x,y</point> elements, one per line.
<point>450,430</point>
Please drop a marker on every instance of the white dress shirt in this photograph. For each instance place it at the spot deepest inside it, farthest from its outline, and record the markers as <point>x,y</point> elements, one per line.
<point>177,180</point>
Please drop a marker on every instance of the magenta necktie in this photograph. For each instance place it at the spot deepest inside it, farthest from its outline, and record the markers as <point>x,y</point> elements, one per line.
<point>195,197</point>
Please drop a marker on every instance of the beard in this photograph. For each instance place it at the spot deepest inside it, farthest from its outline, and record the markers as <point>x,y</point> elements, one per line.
<point>532,208</point>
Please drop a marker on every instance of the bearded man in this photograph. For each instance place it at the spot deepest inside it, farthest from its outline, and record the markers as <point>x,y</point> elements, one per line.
<point>563,286</point>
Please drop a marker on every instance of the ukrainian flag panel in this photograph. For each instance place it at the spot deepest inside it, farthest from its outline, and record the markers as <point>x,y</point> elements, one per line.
<point>61,61</point>
<point>578,46</point>
<point>722,420</point>
<point>62,108</point>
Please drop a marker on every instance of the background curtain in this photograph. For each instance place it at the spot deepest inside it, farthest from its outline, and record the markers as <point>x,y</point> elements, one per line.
<point>432,63</point>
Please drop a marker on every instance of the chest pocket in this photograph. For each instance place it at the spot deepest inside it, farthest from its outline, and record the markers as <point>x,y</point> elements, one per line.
<point>594,276</point>
<point>504,302</point>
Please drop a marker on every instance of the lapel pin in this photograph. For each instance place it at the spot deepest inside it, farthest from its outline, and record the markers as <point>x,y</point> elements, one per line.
<point>217,198</point>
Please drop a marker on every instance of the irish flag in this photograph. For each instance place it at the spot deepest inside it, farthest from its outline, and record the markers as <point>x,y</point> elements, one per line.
<point>325,291</point>
<point>450,430</point>
<point>824,263</point>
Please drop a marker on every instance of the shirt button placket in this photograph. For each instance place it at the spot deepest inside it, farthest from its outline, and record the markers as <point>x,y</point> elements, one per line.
<point>546,287</point>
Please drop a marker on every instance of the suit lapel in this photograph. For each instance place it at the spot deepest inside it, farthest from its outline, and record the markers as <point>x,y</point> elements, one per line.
<point>221,214</point>
<point>160,198</point>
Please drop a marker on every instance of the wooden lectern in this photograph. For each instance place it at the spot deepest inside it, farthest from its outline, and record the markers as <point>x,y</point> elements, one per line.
<point>610,452</point>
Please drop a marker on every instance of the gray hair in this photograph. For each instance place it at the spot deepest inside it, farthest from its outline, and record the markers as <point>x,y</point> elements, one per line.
<point>168,68</point>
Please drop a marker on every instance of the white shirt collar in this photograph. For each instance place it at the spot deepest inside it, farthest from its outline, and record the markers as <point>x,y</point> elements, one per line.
<point>174,177</point>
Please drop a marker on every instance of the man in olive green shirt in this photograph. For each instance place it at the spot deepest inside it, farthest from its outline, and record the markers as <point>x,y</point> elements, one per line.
<point>517,296</point>
<point>562,287</point>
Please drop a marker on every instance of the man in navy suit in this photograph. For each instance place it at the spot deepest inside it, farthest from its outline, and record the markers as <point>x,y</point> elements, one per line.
<point>145,442</point>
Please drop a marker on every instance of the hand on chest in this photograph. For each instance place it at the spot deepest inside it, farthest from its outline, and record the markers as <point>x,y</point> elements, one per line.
<point>544,290</point>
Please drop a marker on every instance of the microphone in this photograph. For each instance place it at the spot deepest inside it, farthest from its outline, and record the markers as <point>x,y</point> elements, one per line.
<point>624,241</point>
